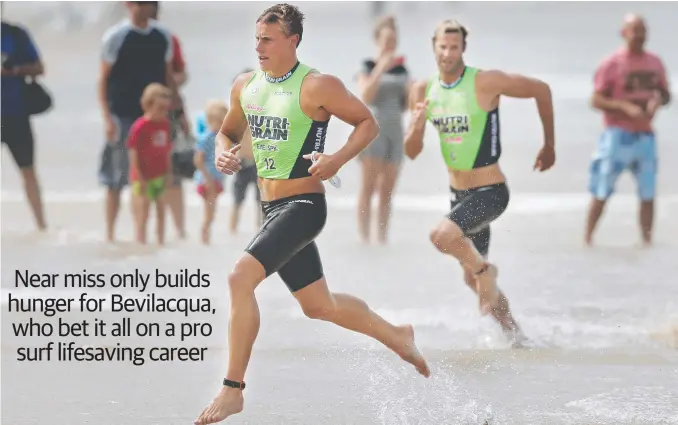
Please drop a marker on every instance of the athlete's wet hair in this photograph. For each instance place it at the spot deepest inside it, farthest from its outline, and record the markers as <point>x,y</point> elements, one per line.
<point>384,22</point>
<point>450,26</point>
<point>289,17</point>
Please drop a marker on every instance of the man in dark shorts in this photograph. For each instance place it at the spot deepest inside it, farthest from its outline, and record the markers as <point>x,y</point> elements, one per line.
<point>288,123</point>
<point>19,59</point>
<point>135,53</point>
<point>463,104</point>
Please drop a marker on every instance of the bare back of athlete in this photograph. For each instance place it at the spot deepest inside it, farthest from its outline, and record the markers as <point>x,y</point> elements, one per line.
<point>288,101</point>
<point>463,104</point>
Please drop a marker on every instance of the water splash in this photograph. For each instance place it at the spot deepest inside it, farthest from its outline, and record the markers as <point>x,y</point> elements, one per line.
<point>399,397</point>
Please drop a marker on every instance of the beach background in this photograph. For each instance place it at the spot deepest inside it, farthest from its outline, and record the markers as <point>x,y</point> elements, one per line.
<point>603,320</point>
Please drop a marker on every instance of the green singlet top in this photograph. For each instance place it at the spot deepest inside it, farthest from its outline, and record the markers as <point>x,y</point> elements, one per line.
<point>281,132</point>
<point>469,136</point>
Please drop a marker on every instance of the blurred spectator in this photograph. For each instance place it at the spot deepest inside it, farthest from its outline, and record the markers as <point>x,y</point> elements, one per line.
<point>20,58</point>
<point>174,194</point>
<point>244,178</point>
<point>209,180</point>
<point>135,53</point>
<point>383,83</point>
<point>630,87</point>
<point>150,151</point>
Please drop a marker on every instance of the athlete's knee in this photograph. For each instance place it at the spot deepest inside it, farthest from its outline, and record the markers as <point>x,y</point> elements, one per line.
<point>317,302</point>
<point>320,307</point>
<point>240,285</point>
<point>437,237</point>
<point>325,311</point>
<point>445,234</point>
<point>245,276</point>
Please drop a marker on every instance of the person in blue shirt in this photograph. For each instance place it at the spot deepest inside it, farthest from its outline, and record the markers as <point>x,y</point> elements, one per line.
<point>210,182</point>
<point>20,58</point>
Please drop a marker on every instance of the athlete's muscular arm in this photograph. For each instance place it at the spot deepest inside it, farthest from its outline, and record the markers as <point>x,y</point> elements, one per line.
<point>497,83</point>
<point>232,130</point>
<point>414,135</point>
<point>493,84</point>
<point>330,94</point>
<point>235,122</point>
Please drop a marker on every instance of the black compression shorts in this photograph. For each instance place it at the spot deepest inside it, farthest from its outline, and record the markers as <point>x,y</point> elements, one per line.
<point>474,209</point>
<point>285,244</point>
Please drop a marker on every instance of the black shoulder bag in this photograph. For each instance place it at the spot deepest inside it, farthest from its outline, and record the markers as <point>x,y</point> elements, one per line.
<point>36,98</point>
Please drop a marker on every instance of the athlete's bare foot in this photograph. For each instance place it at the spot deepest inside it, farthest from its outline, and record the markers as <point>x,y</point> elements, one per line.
<point>486,284</point>
<point>502,314</point>
<point>408,351</point>
<point>228,402</point>
<point>517,339</point>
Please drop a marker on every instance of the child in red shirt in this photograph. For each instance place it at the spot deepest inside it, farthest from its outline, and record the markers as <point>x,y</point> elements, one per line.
<point>150,152</point>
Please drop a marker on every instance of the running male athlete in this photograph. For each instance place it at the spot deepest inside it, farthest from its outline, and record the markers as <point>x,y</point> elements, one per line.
<point>287,106</point>
<point>463,105</point>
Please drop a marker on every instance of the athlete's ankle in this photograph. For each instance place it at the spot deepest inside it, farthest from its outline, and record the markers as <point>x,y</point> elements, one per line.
<point>233,384</point>
<point>483,269</point>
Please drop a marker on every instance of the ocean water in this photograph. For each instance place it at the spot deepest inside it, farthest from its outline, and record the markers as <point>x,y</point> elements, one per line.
<point>603,320</point>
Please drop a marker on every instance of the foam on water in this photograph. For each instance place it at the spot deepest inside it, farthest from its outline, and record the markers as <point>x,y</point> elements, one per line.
<point>637,405</point>
<point>400,398</point>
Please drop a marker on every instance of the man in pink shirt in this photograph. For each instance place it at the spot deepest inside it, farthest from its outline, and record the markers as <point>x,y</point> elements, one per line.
<point>630,87</point>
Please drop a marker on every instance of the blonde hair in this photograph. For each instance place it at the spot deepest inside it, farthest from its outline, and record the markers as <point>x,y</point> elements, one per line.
<point>384,22</point>
<point>450,26</point>
<point>215,111</point>
<point>151,93</point>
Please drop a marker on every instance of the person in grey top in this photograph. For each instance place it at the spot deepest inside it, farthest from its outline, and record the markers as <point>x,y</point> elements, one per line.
<point>383,85</point>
